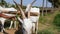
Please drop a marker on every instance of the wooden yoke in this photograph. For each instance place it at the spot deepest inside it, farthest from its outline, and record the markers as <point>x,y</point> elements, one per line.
<point>22,13</point>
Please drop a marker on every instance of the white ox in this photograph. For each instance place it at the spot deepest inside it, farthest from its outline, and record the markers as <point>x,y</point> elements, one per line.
<point>26,25</point>
<point>34,19</point>
<point>26,22</point>
<point>3,19</point>
<point>31,22</point>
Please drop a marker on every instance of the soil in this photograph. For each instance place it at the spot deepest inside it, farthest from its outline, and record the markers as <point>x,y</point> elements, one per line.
<point>9,31</point>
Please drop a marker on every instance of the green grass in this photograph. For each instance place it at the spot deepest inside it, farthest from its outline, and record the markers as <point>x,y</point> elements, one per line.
<point>54,23</point>
<point>45,32</point>
<point>42,19</point>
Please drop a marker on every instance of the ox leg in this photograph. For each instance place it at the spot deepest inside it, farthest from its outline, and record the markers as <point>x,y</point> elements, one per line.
<point>2,25</point>
<point>33,28</point>
<point>36,27</point>
<point>14,24</point>
<point>11,25</point>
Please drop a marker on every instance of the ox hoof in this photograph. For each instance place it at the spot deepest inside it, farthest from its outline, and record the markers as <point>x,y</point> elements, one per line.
<point>2,31</point>
<point>10,28</point>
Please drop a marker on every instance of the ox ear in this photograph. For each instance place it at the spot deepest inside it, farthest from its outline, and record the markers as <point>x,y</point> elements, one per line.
<point>23,15</point>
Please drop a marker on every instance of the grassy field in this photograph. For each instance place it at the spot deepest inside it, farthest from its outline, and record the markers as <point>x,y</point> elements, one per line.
<point>50,24</point>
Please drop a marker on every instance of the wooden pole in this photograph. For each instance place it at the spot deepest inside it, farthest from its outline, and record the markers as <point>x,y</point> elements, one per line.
<point>21,3</point>
<point>52,5</point>
<point>42,8</point>
<point>46,6</point>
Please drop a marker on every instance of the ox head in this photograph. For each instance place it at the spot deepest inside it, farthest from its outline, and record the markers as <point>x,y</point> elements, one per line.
<point>27,9</point>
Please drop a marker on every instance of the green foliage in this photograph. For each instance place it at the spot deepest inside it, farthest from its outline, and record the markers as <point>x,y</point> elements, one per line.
<point>56,21</point>
<point>55,3</point>
<point>45,32</point>
<point>3,3</point>
<point>24,7</point>
<point>35,6</point>
<point>42,19</point>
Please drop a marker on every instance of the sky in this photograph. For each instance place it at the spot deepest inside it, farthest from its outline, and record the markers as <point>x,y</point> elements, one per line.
<point>37,3</point>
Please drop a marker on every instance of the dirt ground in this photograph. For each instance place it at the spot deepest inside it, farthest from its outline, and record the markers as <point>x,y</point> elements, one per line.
<point>9,31</point>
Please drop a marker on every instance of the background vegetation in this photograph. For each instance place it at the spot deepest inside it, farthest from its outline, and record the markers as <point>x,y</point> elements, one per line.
<point>50,24</point>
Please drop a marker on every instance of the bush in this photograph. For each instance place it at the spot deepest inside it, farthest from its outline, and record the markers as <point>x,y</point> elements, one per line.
<point>45,32</point>
<point>56,20</point>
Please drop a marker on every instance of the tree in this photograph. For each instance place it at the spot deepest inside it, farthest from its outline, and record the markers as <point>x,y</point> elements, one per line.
<point>3,3</point>
<point>55,3</point>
